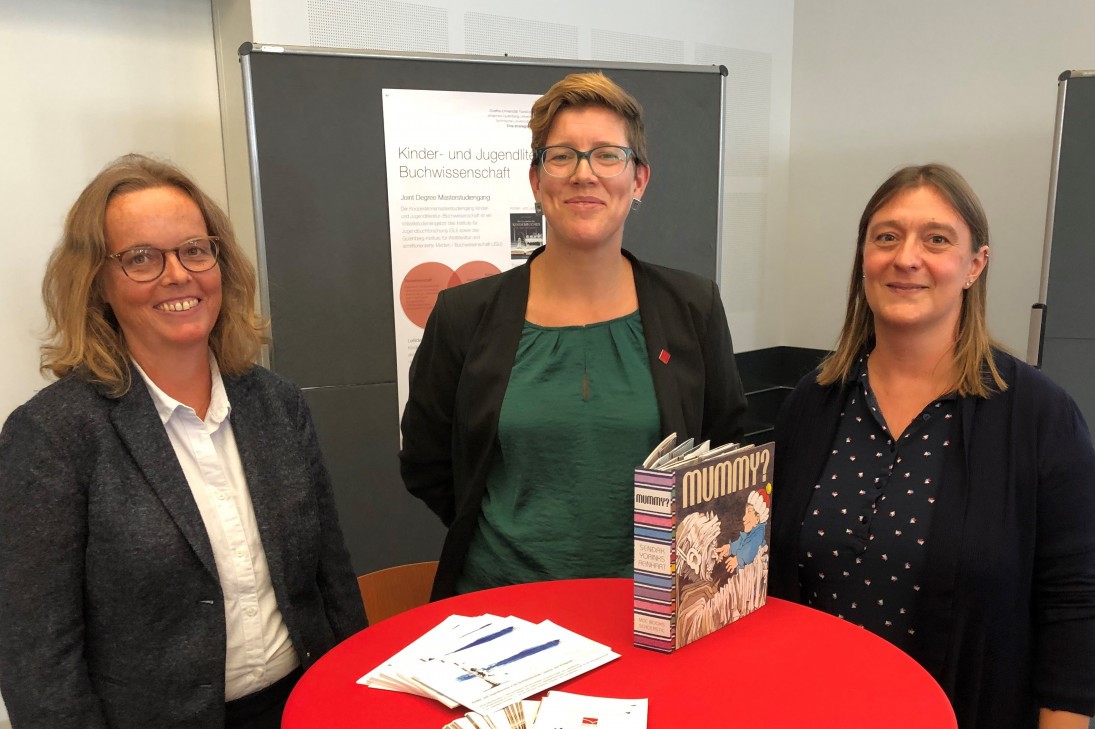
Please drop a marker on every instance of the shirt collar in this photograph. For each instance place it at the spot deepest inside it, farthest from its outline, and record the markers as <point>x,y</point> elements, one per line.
<point>860,375</point>
<point>219,406</point>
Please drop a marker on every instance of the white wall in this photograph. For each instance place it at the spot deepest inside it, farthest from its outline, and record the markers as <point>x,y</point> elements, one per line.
<point>883,83</point>
<point>85,81</point>
<point>82,82</point>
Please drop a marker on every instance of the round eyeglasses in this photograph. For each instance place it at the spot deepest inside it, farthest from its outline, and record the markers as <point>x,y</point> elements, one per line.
<point>605,161</point>
<point>145,263</point>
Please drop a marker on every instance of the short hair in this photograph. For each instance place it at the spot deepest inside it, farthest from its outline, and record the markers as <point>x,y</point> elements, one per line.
<point>83,336</point>
<point>582,90</point>
<point>973,348</point>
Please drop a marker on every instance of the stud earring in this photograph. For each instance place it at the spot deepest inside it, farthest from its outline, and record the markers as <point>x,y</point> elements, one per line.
<point>969,283</point>
<point>636,204</point>
<point>539,208</point>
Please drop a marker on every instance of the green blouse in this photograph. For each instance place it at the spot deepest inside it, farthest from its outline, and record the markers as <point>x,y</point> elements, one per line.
<point>578,416</point>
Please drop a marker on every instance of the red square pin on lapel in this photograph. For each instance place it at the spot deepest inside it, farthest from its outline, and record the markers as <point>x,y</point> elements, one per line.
<point>664,357</point>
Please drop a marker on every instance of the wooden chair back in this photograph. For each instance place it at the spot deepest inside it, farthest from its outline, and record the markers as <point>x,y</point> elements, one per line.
<point>393,590</point>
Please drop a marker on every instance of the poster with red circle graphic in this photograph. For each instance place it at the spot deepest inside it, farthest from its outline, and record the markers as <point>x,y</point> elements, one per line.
<point>460,207</point>
<point>421,285</point>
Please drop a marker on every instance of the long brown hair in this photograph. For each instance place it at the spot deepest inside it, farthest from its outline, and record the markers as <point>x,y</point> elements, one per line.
<point>83,336</point>
<point>973,348</point>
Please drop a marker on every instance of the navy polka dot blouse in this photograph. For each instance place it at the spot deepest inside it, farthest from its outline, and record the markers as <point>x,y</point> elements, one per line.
<point>862,551</point>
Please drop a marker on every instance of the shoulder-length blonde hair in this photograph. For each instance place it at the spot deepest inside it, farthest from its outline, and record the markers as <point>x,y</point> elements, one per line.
<point>83,335</point>
<point>973,347</point>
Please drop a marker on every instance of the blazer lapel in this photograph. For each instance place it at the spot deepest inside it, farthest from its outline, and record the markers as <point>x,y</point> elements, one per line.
<point>139,427</point>
<point>489,364</point>
<point>260,443</point>
<point>666,392</point>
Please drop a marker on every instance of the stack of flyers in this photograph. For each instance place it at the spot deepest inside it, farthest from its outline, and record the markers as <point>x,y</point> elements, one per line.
<point>519,715</point>
<point>488,662</point>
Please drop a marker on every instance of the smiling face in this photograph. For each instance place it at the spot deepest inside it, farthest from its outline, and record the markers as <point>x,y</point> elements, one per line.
<point>583,209</point>
<point>175,313</point>
<point>917,259</point>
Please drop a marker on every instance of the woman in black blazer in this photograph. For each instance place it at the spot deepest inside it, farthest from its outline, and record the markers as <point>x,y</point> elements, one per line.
<point>170,555</point>
<point>535,393</point>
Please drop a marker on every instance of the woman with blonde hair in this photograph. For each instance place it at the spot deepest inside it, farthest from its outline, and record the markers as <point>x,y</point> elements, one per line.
<point>934,489</point>
<point>534,393</point>
<point>170,554</point>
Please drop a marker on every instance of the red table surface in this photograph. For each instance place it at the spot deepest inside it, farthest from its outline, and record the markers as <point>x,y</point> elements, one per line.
<point>782,666</point>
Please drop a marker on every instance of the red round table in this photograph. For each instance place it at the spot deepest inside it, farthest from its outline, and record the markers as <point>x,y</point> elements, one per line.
<point>782,666</point>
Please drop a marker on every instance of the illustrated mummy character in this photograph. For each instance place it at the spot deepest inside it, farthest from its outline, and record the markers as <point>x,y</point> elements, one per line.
<point>705,605</point>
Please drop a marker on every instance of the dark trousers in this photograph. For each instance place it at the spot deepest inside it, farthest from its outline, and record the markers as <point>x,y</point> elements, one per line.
<point>262,709</point>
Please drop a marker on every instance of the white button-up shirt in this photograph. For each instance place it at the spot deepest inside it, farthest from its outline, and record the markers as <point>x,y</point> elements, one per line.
<point>259,649</point>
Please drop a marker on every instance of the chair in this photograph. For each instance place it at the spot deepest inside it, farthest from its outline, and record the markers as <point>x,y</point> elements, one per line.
<point>393,590</point>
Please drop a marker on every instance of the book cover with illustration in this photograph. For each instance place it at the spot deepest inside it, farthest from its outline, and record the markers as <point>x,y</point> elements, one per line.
<point>701,539</point>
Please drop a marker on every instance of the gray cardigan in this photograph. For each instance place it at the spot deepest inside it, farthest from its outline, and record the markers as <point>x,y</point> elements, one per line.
<point>111,613</point>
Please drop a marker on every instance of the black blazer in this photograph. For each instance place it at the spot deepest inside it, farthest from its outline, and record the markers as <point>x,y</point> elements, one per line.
<point>461,370</point>
<point>111,613</point>
<point>1005,619</point>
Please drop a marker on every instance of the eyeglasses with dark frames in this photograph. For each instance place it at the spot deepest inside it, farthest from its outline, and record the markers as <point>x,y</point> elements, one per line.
<point>604,161</point>
<point>146,263</point>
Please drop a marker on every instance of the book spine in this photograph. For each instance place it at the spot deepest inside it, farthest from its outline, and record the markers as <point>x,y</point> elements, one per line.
<point>655,596</point>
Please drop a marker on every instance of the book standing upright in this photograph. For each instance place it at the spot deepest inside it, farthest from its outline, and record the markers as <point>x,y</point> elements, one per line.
<point>701,540</point>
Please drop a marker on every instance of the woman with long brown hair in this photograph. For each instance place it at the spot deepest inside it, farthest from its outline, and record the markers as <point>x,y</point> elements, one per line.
<point>934,489</point>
